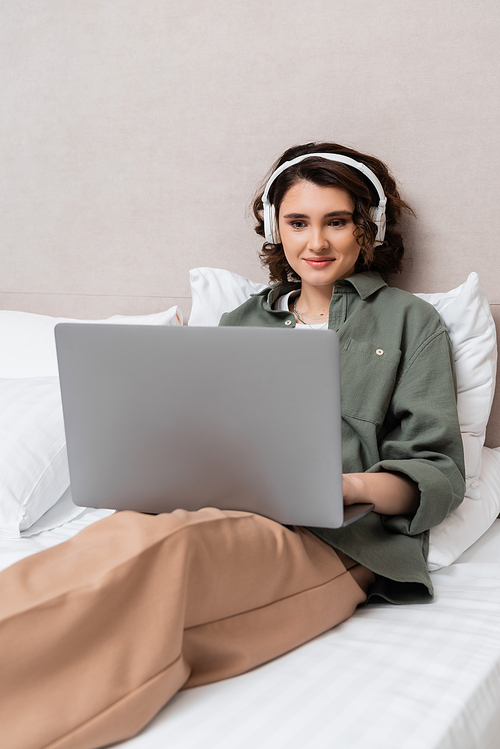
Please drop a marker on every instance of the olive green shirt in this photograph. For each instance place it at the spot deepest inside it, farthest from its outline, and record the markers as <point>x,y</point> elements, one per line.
<point>399,414</point>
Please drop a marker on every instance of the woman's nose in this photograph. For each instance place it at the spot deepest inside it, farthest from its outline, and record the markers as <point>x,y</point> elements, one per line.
<point>317,239</point>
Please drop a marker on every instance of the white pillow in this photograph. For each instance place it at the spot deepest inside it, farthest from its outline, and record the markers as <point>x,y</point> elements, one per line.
<point>61,512</point>
<point>27,346</point>
<point>33,462</point>
<point>215,291</point>
<point>467,523</point>
<point>465,312</point>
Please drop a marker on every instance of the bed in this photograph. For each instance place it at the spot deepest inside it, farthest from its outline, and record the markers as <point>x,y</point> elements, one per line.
<point>409,677</point>
<point>399,676</point>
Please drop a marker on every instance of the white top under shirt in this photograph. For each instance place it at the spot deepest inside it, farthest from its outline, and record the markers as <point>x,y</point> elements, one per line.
<point>282,303</point>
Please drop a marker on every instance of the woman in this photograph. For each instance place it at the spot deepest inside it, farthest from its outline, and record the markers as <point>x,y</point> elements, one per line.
<point>331,243</point>
<point>99,632</point>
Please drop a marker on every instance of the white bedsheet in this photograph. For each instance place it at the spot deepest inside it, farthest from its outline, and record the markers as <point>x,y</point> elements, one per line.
<point>392,677</point>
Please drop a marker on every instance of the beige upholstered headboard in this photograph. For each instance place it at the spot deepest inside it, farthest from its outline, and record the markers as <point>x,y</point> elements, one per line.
<point>134,133</point>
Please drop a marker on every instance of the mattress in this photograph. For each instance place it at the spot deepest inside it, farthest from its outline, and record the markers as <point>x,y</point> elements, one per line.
<point>392,677</point>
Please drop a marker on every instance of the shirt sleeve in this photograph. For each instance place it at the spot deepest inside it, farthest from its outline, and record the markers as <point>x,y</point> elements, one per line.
<point>422,438</point>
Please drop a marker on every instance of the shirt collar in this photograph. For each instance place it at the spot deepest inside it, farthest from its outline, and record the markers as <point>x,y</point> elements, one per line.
<point>366,283</point>
<point>275,290</point>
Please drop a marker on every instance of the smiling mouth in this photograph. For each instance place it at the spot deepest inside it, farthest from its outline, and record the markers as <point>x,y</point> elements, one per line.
<point>319,263</point>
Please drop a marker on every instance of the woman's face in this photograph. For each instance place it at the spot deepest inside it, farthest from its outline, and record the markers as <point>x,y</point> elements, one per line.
<point>317,233</point>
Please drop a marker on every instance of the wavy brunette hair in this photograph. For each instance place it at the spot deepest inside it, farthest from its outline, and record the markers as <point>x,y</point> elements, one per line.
<point>385,258</point>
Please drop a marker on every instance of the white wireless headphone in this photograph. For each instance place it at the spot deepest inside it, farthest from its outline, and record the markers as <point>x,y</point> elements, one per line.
<point>377,212</point>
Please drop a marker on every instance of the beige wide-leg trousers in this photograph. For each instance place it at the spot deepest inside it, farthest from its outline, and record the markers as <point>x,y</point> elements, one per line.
<point>98,633</point>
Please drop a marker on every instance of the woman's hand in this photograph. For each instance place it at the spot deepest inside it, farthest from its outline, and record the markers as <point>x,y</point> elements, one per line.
<point>391,493</point>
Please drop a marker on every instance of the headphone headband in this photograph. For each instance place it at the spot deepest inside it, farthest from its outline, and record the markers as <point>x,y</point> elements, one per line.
<point>377,212</point>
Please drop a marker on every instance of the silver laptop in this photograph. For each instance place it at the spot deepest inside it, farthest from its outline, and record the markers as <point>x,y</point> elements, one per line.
<point>159,418</point>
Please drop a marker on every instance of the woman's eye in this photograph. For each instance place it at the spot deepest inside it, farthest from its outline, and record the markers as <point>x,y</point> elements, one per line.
<point>338,222</point>
<point>297,224</point>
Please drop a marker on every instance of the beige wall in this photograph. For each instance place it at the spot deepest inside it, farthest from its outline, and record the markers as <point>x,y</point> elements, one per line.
<point>133,133</point>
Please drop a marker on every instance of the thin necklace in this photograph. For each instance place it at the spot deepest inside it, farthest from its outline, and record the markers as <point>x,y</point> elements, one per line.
<point>296,313</point>
<point>303,314</point>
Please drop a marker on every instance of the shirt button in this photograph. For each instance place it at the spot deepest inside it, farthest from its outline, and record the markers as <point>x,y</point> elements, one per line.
<point>288,322</point>
<point>379,352</point>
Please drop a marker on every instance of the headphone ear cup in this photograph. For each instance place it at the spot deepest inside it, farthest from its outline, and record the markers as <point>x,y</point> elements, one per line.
<point>377,214</point>
<point>270,224</point>
<point>274,227</point>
